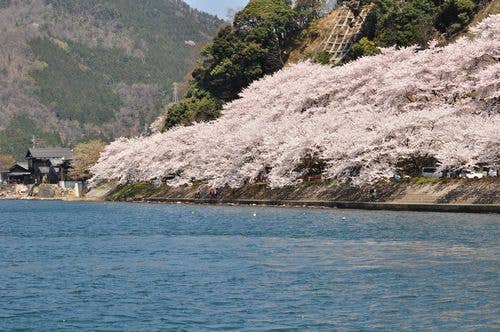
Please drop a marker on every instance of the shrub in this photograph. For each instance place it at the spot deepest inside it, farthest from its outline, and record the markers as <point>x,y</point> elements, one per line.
<point>364,47</point>
<point>85,156</point>
<point>198,106</point>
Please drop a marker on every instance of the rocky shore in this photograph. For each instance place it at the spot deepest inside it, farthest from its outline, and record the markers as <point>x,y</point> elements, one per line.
<point>33,192</point>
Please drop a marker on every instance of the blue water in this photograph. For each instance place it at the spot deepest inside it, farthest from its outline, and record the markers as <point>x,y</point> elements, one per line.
<point>135,267</point>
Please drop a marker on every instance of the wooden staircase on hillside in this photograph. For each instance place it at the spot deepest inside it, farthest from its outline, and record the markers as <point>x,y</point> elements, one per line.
<point>346,30</point>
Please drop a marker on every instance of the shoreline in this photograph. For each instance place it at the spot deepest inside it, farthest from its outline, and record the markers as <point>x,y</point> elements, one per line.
<point>370,206</point>
<point>422,195</point>
<point>342,205</point>
<point>427,195</point>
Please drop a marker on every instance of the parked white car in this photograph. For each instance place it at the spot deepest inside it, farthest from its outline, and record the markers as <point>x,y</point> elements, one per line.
<point>431,172</point>
<point>472,174</point>
<point>493,172</point>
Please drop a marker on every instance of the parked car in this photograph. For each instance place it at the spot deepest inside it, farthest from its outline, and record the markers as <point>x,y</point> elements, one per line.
<point>492,172</point>
<point>489,171</point>
<point>472,174</point>
<point>431,172</point>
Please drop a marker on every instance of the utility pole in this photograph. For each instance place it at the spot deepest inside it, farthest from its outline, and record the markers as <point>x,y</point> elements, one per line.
<point>175,96</point>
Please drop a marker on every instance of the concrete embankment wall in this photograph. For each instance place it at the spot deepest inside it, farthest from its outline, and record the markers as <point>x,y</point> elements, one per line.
<point>452,195</point>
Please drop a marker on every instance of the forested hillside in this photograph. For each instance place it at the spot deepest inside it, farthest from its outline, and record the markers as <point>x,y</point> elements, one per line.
<point>268,34</point>
<point>257,44</point>
<point>74,69</point>
<point>389,23</point>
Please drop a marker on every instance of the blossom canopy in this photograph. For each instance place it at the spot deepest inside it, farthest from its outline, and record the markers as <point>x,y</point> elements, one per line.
<point>360,119</point>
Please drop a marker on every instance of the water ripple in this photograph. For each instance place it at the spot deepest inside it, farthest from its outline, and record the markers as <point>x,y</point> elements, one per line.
<point>114,267</point>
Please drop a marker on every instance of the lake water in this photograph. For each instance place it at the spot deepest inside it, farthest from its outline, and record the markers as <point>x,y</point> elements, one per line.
<point>137,267</point>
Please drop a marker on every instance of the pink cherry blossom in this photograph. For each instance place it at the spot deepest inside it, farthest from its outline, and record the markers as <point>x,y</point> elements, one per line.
<point>366,115</point>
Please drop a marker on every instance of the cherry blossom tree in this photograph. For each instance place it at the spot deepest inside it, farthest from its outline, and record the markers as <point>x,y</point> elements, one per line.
<point>359,120</point>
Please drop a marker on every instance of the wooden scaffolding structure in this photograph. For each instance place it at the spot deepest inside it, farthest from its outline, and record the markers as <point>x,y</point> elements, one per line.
<point>346,29</point>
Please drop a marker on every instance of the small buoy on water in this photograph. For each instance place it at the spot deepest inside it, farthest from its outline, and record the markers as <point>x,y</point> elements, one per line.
<point>255,214</point>
<point>344,218</point>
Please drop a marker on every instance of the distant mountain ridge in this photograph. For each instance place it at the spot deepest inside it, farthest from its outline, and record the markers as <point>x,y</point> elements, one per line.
<point>72,69</point>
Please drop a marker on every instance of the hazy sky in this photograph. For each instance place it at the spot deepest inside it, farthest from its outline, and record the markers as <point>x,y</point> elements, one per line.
<point>217,7</point>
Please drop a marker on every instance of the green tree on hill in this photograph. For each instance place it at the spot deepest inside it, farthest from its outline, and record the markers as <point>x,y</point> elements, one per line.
<point>404,23</point>
<point>411,22</point>
<point>198,106</point>
<point>364,47</point>
<point>255,45</point>
<point>455,15</point>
